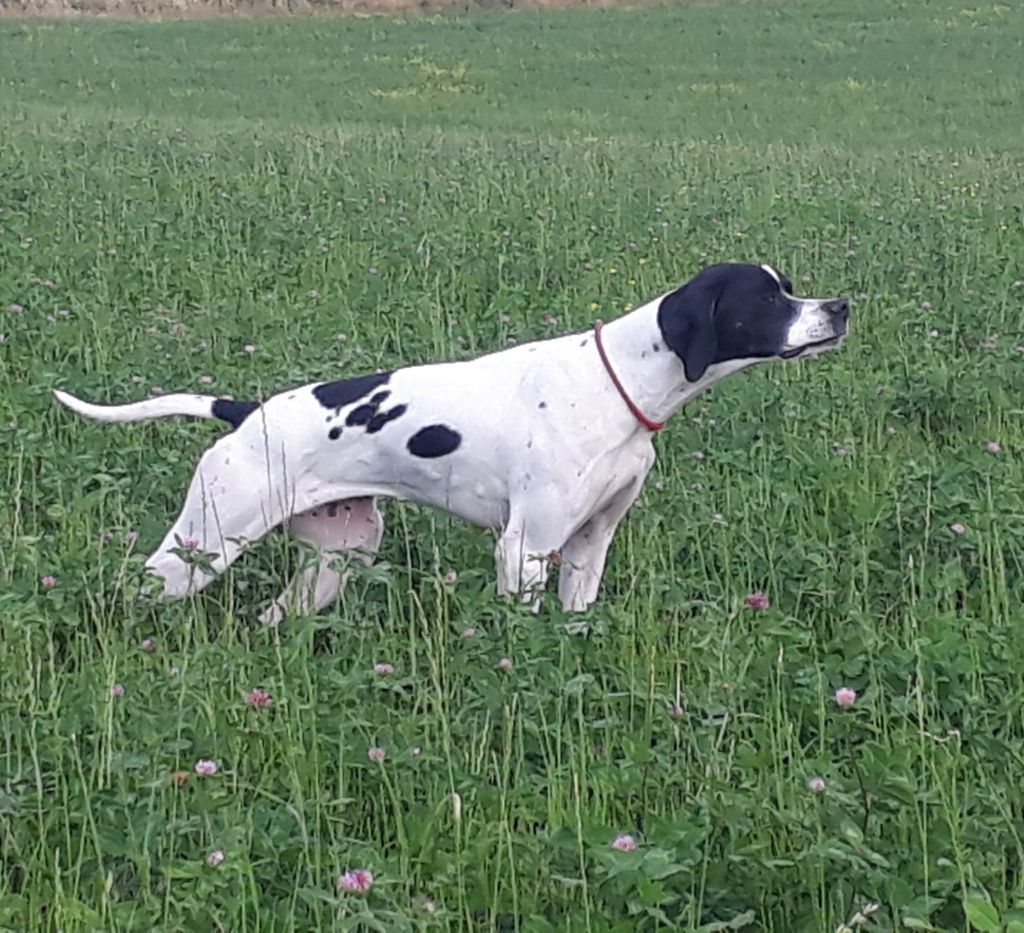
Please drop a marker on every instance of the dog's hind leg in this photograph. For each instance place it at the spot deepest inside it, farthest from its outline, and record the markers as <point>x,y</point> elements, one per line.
<point>239,491</point>
<point>348,525</point>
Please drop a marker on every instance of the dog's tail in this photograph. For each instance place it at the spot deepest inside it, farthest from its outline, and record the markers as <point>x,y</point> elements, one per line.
<point>163,406</point>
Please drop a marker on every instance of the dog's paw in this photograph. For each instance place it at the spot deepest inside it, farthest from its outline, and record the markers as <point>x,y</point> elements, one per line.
<point>273,615</point>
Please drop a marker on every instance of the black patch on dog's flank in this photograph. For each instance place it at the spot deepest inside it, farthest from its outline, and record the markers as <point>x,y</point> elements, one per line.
<point>334,433</point>
<point>543,405</point>
<point>371,415</point>
<point>378,421</point>
<point>360,415</point>
<point>346,391</point>
<point>234,413</point>
<point>656,347</point>
<point>435,440</point>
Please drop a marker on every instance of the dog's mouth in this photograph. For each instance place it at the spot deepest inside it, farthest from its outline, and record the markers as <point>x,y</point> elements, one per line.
<point>818,346</point>
<point>820,325</point>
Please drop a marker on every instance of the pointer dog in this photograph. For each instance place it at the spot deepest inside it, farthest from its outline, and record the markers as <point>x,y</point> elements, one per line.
<point>549,442</point>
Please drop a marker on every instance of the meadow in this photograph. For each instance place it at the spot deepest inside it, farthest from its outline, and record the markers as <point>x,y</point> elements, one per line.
<point>242,205</point>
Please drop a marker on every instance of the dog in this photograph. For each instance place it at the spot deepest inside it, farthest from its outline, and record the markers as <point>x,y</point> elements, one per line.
<point>549,443</point>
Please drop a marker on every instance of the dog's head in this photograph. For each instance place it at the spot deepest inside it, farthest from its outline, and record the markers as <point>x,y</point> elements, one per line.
<point>745,313</point>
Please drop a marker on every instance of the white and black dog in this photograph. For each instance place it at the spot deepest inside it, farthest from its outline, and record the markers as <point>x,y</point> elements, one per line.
<point>549,442</point>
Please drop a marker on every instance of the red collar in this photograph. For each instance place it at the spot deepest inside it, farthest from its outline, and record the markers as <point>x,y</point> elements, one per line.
<point>630,404</point>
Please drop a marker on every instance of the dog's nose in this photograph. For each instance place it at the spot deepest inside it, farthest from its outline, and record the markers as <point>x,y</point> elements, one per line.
<point>839,307</point>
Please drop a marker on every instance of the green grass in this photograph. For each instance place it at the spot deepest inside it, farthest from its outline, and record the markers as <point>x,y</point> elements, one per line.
<point>344,194</point>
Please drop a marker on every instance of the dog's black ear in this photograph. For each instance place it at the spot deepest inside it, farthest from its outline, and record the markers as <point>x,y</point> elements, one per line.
<point>686,320</point>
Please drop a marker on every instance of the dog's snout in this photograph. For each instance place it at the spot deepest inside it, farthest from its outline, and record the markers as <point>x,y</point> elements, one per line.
<point>839,307</point>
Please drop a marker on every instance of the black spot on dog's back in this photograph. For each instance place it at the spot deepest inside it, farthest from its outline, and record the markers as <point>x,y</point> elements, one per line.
<point>360,415</point>
<point>435,440</point>
<point>371,415</point>
<point>334,433</point>
<point>378,421</point>
<point>346,391</point>
<point>234,413</point>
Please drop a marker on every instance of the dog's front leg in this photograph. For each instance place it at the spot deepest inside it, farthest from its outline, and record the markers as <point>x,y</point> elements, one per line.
<point>521,569</point>
<point>585,553</point>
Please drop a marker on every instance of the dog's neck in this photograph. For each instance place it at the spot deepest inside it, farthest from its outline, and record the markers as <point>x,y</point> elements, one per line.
<point>650,372</point>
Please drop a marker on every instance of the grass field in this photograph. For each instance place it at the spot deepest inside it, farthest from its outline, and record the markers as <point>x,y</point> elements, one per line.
<point>238,206</point>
